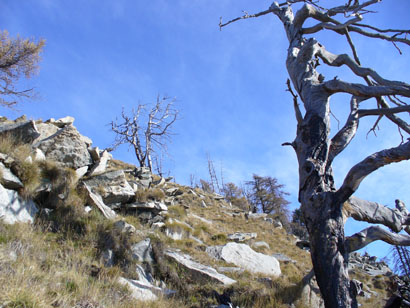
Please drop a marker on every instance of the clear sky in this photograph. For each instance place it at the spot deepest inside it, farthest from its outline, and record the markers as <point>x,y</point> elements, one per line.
<point>102,55</point>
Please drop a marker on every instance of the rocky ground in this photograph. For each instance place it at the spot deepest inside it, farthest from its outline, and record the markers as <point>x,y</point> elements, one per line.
<point>81,229</point>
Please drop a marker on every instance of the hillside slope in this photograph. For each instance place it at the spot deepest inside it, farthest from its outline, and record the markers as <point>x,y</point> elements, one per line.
<point>81,229</point>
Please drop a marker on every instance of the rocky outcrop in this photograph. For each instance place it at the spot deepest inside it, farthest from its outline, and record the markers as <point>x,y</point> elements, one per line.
<point>245,257</point>
<point>111,186</point>
<point>368,264</point>
<point>67,148</point>
<point>198,272</point>
<point>14,209</point>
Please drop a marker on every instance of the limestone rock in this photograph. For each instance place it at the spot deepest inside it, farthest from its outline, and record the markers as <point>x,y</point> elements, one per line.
<point>245,257</point>
<point>80,172</point>
<point>67,148</point>
<point>255,215</point>
<point>14,209</point>
<point>112,186</point>
<point>199,272</point>
<point>8,179</point>
<point>25,131</point>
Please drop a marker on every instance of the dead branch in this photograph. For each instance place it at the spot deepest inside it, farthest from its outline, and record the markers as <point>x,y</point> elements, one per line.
<point>370,164</point>
<point>375,233</point>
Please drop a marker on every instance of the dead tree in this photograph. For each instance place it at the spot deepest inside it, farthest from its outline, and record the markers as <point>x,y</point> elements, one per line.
<point>325,206</point>
<point>146,130</point>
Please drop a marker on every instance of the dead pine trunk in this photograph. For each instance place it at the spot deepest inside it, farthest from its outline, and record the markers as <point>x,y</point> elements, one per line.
<point>321,210</point>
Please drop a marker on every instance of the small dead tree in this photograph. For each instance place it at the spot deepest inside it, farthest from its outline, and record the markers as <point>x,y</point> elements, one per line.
<point>147,130</point>
<point>324,206</point>
<point>18,57</point>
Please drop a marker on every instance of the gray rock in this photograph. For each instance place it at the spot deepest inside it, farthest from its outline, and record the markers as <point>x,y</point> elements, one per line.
<point>139,290</point>
<point>95,153</point>
<point>199,272</point>
<point>101,164</point>
<point>142,251</point>
<point>98,202</point>
<point>241,237</point>
<point>8,179</point>
<point>25,131</point>
<point>15,209</point>
<point>38,155</point>
<point>80,172</point>
<point>112,186</point>
<point>45,130</point>
<point>67,148</point>
<point>122,227</point>
<point>245,257</point>
<point>310,295</point>
<point>154,206</point>
<point>62,121</point>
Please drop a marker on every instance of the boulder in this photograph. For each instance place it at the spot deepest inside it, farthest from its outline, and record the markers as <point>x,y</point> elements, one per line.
<point>112,186</point>
<point>15,209</point>
<point>8,179</point>
<point>241,236</point>
<point>25,131</point>
<point>152,206</point>
<point>245,257</point>
<point>197,271</point>
<point>283,258</point>
<point>66,148</point>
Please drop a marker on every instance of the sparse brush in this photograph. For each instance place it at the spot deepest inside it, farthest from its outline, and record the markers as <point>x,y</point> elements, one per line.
<point>149,194</point>
<point>176,211</point>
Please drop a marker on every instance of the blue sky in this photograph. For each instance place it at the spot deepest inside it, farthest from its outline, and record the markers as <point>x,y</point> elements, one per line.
<point>103,55</point>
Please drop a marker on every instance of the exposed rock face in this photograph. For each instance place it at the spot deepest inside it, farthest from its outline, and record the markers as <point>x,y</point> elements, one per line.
<point>199,272</point>
<point>23,131</point>
<point>14,209</point>
<point>67,148</point>
<point>112,186</point>
<point>245,257</point>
